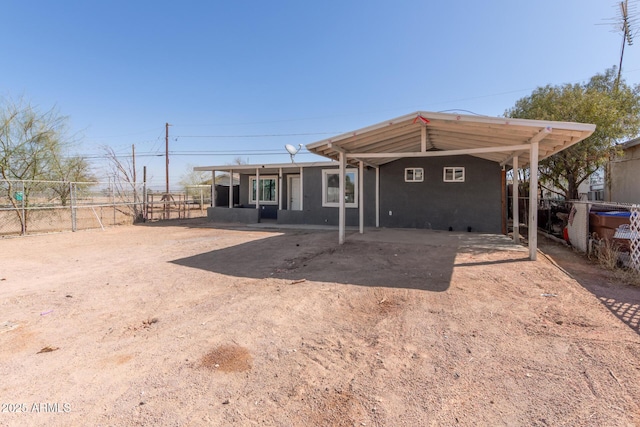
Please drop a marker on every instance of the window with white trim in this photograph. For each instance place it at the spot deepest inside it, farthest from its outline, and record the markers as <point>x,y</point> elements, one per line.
<point>413,175</point>
<point>331,188</point>
<point>267,190</point>
<point>453,174</point>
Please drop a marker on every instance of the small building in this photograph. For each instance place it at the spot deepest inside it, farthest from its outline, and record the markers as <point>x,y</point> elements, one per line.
<point>422,170</point>
<point>624,174</point>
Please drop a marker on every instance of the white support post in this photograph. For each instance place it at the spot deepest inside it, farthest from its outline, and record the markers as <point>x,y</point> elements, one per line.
<point>533,202</point>
<point>213,189</point>
<point>515,203</point>
<point>279,190</point>
<point>361,196</point>
<point>258,190</point>
<point>231,188</point>
<point>301,187</point>
<point>341,204</point>
<point>377,197</point>
<point>423,139</point>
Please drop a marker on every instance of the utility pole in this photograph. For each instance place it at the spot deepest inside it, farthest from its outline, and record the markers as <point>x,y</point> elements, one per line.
<point>166,196</point>
<point>145,207</point>
<point>135,193</point>
<point>166,139</point>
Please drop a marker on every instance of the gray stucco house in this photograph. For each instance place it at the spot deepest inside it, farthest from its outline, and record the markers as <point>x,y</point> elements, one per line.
<point>422,170</point>
<point>457,193</point>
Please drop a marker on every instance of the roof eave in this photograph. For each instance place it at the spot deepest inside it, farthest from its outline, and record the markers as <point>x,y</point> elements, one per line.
<point>238,168</point>
<point>580,127</point>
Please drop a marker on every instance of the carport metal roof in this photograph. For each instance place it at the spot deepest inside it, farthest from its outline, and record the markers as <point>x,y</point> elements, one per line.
<point>515,142</point>
<point>426,134</point>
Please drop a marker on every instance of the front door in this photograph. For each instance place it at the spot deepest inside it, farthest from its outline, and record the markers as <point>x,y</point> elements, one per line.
<point>294,193</point>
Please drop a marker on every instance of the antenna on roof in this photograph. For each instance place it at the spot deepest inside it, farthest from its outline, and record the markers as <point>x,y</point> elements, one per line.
<point>292,150</point>
<point>625,23</point>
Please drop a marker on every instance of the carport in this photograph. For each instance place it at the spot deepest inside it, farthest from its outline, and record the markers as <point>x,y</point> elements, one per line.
<point>515,143</point>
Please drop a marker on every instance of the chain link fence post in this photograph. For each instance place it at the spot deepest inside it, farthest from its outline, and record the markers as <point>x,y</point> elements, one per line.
<point>23,211</point>
<point>113,201</point>
<point>74,213</point>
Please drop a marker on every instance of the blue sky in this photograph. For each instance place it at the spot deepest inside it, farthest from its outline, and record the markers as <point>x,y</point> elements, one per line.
<point>221,70</point>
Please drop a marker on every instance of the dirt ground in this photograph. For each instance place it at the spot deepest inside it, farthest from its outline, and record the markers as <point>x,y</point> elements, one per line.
<point>188,324</point>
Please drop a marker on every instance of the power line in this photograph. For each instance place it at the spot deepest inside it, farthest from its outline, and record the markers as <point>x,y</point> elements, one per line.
<point>257,135</point>
<point>194,153</point>
<point>279,153</point>
<point>274,151</point>
<point>329,116</point>
<point>156,145</point>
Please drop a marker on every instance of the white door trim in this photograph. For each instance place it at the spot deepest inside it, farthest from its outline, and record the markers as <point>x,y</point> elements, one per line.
<point>290,191</point>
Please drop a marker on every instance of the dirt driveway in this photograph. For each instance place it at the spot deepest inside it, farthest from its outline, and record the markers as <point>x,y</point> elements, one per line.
<point>187,324</point>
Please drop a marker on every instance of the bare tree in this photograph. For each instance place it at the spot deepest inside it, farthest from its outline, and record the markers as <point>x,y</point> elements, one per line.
<point>124,186</point>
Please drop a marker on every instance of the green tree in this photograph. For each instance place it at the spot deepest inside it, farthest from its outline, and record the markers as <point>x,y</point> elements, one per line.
<point>67,170</point>
<point>192,177</point>
<point>29,141</point>
<point>33,147</point>
<point>615,110</point>
<point>196,184</point>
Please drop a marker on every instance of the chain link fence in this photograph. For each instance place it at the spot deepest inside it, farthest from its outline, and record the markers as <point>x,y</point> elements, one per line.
<point>553,215</point>
<point>29,207</point>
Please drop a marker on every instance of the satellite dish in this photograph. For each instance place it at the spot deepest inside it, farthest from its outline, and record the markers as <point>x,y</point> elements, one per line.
<point>292,150</point>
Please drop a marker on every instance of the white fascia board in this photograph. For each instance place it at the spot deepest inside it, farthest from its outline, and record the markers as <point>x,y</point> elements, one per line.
<point>237,168</point>
<point>505,121</point>
<point>581,127</point>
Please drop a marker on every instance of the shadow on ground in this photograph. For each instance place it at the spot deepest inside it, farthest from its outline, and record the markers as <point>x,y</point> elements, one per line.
<point>315,256</point>
<point>623,300</point>
<point>412,259</point>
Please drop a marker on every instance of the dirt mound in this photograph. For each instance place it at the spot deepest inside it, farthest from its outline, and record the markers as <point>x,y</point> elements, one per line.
<point>227,358</point>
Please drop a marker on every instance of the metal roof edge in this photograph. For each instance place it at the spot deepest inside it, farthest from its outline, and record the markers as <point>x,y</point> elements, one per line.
<point>631,143</point>
<point>222,168</point>
<point>583,127</point>
<point>574,126</point>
